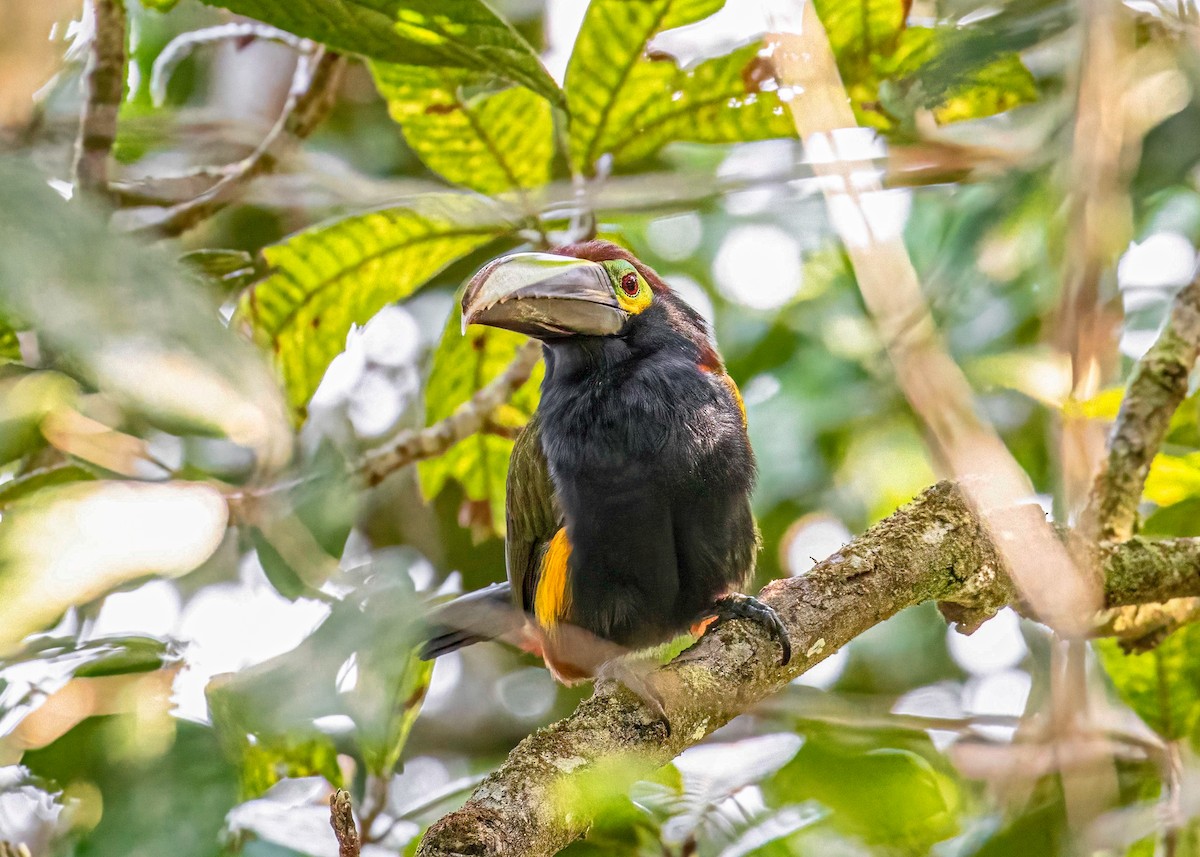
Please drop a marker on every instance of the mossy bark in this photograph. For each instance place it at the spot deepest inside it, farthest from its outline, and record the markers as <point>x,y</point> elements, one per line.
<point>935,548</point>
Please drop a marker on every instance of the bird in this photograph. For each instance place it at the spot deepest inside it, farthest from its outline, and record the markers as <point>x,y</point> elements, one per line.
<point>628,497</point>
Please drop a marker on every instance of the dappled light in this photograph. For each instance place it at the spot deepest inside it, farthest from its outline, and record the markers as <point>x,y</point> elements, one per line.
<point>673,428</point>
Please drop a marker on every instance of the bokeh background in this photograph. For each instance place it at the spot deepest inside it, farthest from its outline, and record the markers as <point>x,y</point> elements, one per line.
<point>906,741</point>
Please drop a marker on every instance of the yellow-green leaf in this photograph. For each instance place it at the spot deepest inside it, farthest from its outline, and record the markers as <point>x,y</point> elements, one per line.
<point>1173,478</point>
<point>335,275</point>
<point>491,142</point>
<point>627,104</point>
<point>455,34</point>
<point>891,68</point>
<point>1000,86</point>
<point>860,31</point>
<point>10,348</point>
<point>1162,685</point>
<point>461,366</point>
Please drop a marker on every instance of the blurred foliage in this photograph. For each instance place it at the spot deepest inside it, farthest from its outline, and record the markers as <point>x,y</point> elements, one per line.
<point>464,363</point>
<point>454,34</point>
<point>178,508</point>
<point>1162,685</point>
<point>329,278</point>
<point>892,68</point>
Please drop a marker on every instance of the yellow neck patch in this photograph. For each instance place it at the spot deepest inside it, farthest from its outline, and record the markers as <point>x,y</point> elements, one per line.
<point>552,598</point>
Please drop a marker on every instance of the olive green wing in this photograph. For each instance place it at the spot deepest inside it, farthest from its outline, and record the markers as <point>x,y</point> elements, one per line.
<point>532,513</point>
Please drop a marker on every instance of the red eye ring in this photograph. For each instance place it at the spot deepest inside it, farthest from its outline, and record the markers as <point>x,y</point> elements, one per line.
<point>629,284</point>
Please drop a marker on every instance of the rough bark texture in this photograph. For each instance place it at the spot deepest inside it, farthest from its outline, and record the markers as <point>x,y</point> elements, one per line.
<point>935,548</point>
<point>1158,386</point>
<point>469,418</point>
<point>341,819</point>
<point>103,86</point>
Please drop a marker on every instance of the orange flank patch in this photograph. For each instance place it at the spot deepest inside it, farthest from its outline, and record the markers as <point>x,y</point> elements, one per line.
<point>552,599</point>
<point>698,628</point>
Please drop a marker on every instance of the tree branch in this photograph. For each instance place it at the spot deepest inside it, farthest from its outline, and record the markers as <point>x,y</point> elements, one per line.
<point>471,416</point>
<point>1158,387</point>
<point>314,87</point>
<point>964,445</point>
<point>935,548</point>
<point>341,819</point>
<point>103,86</point>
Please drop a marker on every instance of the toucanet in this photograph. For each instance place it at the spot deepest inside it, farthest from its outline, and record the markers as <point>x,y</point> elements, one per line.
<point>628,496</point>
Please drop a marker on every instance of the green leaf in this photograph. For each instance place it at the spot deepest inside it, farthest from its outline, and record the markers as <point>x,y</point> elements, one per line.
<point>131,321</point>
<point>58,660</point>
<point>891,69</point>
<point>1162,685</point>
<point>103,656</point>
<point>927,72</point>
<point>335,275</point>
<point>267,762</point>
<point>279,573</point>
<point>1173,478</point>
<point>10,347</point>
<point>455,34</point>
<point>883,795</point>
<point>462,365</point>
<point>160,5</point>
<point>229,269</point>
<point>26,398</point>
<point>629,105</point>
<point>43,477</point>
<point>491,142</point>
<point>360,662</point>
<point>184,776</point>
<point>860,31</point>
<point>299,535</point>
<point>995,88</point>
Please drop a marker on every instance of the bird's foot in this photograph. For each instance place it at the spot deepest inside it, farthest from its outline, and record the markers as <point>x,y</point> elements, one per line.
<point>635,675</point>
<point>738,606</point>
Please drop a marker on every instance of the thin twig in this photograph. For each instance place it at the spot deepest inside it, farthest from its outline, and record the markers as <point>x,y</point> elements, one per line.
<point>103,87</point>
<point>470,417</point>
<point>180,47</point>
<point>377,790</point>
<point>412,445</point>
<point>1156,390</point>
<point>314,85</point>
<point>341,819</point>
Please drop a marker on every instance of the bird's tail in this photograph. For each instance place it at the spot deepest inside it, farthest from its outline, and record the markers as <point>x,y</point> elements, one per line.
<point>485,614</point>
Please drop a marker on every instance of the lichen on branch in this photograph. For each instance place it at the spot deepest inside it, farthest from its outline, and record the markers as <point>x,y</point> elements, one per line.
<point>935,548</point>
<point>1157,388</point>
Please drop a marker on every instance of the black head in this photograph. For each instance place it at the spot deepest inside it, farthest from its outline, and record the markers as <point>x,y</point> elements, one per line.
<point>591,296</point>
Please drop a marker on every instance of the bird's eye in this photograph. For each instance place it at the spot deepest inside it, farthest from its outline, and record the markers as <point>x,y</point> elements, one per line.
<point>629,284</point>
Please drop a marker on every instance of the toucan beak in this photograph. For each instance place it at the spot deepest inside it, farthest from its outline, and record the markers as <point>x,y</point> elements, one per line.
<point>544,296</point>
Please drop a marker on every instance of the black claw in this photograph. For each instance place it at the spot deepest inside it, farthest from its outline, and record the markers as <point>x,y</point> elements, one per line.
<point>739,606</point>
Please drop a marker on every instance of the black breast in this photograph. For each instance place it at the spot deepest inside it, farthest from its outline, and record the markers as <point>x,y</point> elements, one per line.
<point>653,471</point>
